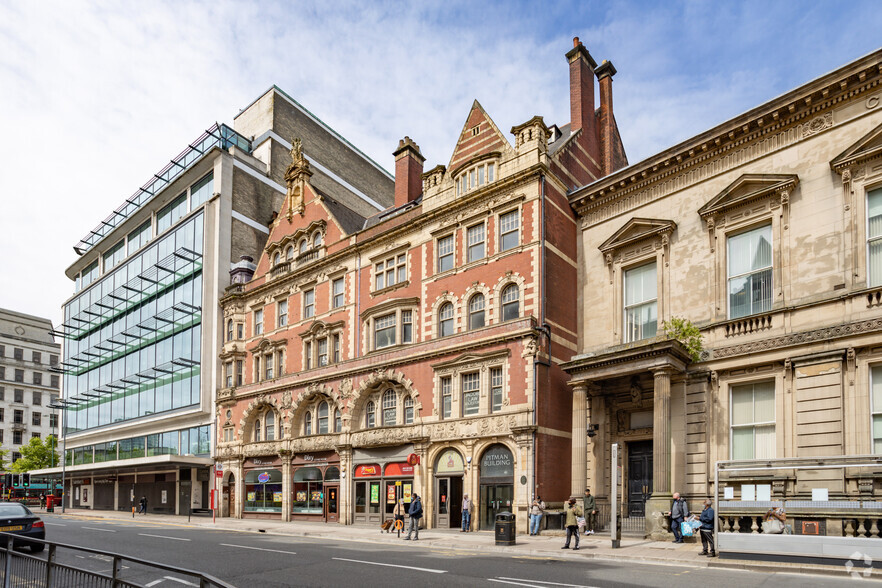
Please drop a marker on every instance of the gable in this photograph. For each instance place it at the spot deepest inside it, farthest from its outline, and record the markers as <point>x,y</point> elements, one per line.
<point>637,229</point>
<point>868,147</point>
<point>746,189</point>
<point>479,137</point>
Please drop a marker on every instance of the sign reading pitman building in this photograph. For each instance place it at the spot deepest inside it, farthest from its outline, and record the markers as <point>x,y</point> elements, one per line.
<point>497,463</point>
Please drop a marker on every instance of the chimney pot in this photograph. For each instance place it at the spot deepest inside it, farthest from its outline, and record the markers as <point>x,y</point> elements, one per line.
<point>576,42</point>
<point>408,171</point>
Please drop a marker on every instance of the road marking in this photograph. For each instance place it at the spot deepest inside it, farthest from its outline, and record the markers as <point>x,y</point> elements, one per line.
<point>97,529</point>
<point>376,563</point>
<point>154,583</point>
<point>258,548</point>
<point>54,524</point>
<point>163,537</point>
<point>519,582</point>
<point>173,579</point>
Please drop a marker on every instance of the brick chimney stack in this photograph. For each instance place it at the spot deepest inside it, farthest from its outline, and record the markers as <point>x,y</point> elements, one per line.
<point>408,172</point>
<point>605,74</point>
<point>582,94</point>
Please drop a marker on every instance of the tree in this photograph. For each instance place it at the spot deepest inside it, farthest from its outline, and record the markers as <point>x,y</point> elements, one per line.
<point>37,454</point>
<point>682,330</point>
<point>3,464</point>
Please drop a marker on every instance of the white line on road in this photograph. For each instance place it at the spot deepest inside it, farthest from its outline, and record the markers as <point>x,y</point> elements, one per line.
<point>520,582</point>
<point>54,524</point>
<point>376,563</point>
<point>258,548</point>
<point>173,579</point>
<point>154,583</point>
<point>163,537</point>
<point>97,529</point>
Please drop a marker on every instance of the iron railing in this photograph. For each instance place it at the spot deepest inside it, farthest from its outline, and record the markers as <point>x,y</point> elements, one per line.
<point>51,568</point>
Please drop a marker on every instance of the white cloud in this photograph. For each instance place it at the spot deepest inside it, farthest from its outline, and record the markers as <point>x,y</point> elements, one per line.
<point>97,96</point>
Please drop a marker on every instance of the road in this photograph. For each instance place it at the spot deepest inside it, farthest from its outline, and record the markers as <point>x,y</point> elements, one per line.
<point>253,559</point>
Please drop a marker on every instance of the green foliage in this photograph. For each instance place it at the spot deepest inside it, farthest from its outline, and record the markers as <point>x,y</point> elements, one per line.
<point>37,454</point>
<point>685,332</point>
<point>3,464</point>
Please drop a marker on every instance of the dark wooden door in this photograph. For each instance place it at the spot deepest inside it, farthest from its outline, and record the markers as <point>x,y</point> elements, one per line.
<point>639,476</point>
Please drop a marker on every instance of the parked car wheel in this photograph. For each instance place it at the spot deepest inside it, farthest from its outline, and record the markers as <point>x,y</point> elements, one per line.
<point>37,547</point>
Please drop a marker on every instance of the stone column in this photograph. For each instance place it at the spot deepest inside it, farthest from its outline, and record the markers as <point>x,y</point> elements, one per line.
<point>580,439</point>
<point>660,502</point>
<point>287,486</point>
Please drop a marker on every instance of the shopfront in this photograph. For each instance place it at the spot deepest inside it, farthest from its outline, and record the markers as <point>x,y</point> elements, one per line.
<point>381,482</point>
<point>263,487</point>
<point>104,492</point>
<point>497,483</point>
<point>449,472</point>
<point>316,486</point>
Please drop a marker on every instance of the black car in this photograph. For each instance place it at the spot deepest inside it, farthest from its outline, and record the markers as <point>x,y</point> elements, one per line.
<point>15,518</point>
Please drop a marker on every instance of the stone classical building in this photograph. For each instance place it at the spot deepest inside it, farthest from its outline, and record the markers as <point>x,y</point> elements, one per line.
<point>28,386</point>
<point>143,329</point>
<point>764,233</point>
<point>371,357</point>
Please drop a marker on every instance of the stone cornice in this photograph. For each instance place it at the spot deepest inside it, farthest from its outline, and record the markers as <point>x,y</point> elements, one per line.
<point>786,120</point>
<point>669,352</point>
<point>800,338</point>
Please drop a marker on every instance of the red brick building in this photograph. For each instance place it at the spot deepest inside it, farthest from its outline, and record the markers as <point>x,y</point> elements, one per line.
<point>417,350</point>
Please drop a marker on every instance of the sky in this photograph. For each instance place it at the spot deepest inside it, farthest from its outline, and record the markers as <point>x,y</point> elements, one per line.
<point>96,97</point>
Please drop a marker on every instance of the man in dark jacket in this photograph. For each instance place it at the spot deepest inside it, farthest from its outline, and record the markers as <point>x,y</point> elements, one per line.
<point>589,507</point>
<point>678,513</point>
<point>416,513</point>
<point>707,530</point>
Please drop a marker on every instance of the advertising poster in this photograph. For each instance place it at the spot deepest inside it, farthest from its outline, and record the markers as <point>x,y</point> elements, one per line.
<point>390,493</point>
<point>251,497</point>
<point>375,494</point>
<point>406,492</point>
<point>277,497</point>
<point>316,496</point>
<point>301,496</point>
<point>164,496</point>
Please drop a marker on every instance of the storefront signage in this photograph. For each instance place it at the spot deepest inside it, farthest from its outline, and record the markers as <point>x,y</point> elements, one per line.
<point>375,494</point>
<point>263,478</point>
<point>449,462</point>
<point>497,462</point>
<point>399,469</point>
<point>164,496</point>
<point>406,492</point>
<point>367,471</point>
<point>263,461</point>
<point>390,494</point>
<point>318,458</point>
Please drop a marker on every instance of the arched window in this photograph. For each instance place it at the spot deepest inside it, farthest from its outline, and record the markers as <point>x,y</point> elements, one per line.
<point>256,430</point>
<point>408,410</point>
<point>277,258</point>
<point>338,421</point>
<point>317,240</point>
<point>289,253</point>
<point>229,329</point>
<point>511,302</point>
<point>476,311</point>
<point>323,418</point>
<point>302,246</point>
<point>369,421</point>
<point>445,320</point>
<point>390,407</point>
<point>270,423</point>
<point>307,423</point>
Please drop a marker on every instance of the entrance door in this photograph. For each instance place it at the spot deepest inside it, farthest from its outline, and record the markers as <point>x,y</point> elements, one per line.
<point>494,500</point>
<point>332,502</point>
<point>448,504</point>
<point>639,477</point>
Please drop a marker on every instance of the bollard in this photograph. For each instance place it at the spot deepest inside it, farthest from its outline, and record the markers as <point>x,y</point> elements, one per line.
<point>133,512</point>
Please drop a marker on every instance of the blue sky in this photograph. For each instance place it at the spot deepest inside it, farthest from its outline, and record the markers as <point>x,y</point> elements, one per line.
<point>96,96</point>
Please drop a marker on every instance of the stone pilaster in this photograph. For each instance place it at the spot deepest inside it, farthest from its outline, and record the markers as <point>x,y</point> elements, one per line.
<point>660,502</point>
<point>580,439</point>
<point>287,487</point>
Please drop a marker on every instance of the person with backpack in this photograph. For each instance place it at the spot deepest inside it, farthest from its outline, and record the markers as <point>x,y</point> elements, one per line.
<point>416,513</point>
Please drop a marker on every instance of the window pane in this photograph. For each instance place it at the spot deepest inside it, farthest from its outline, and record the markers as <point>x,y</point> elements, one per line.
<point>874,213</point>
<point>641,284</point>
<point>765,442</point>
<point>742,443</point>
<point>764,402</point>
<point>876,380</point>
<point>742,405</point>
<point>877,434</point>
<point>750,251</point>
<point>641,322</point>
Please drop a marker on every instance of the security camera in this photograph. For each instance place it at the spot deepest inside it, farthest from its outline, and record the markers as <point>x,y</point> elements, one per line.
<point>592,430</point>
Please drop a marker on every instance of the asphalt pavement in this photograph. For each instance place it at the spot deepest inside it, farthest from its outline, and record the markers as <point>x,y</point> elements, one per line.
<point>247,559</point>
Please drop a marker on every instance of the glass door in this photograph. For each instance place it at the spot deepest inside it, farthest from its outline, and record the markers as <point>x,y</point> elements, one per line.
<point>442,514</point>
<point>494,500</point>
<point>331,502</point>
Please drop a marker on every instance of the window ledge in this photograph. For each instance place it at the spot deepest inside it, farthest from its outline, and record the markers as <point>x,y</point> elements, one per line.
<point>391,288</point>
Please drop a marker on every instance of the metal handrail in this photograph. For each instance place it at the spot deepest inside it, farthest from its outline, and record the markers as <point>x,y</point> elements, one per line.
<point>205,580</point>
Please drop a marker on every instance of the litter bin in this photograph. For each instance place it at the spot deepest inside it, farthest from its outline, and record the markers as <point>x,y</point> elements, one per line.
<point>50,505</point>
<point>505,528</point>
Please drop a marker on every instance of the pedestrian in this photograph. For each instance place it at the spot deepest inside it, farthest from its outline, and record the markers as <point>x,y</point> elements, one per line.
<point>572,512</point>
<point>398,513</point>
<point>42,500</point>
<point>466,514</point>
<point>537,511</point>
<point>707,529</point>
<point>142,505</point>
<point>678,513</point>
<point>416,513</point>
<point>590,506</point>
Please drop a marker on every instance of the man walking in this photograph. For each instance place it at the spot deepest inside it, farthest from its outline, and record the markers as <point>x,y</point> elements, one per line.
<point>572,511</point>
<point>416,513</point>
<point>678,513</point>
<point>142,505</point>
<point>590,506</point>
<point>466,514</point>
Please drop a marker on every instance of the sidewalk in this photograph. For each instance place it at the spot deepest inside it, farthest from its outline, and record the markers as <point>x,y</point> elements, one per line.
<point>593,547</point>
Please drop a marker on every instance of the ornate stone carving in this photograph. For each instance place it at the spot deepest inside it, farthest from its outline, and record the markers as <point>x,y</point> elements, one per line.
<point>295,176</point>
<point>817,124</point>
<point>636,393</point>
<point>801,338</point>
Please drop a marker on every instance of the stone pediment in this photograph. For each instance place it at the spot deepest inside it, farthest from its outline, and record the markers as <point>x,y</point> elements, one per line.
<point>637,229</point>
<point>265,344</point>
<point>471,358</point>
<point>867,148</point>
<point>747,189</point>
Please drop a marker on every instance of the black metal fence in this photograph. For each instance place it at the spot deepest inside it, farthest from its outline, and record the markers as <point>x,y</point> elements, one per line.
<point>66,566</point>
<point>630,525</point>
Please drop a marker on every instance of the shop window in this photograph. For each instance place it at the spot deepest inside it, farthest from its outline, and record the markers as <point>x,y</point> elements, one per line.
<point>308,491</point>
<point>445,320</point>
<point>509,230</point>
<point>390,408</point>
<point>476,311</point>
<point>511,302</point>
<point>263,491</point>
<point>641,303</point>
<point>750,272</point>
<point>753,421</point>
